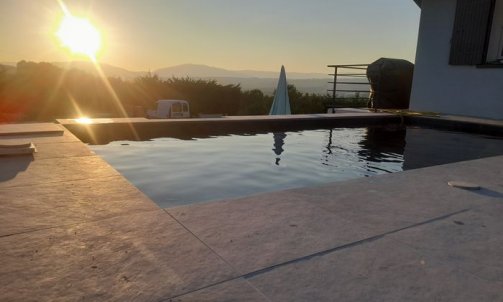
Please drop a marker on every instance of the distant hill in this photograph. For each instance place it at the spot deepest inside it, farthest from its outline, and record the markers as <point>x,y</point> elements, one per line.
<point>267,85</point>
<point>108,70</point>
<point>7,68</point>
<point>13,64</point>
<point>265,81</point>
<point>204,71</point>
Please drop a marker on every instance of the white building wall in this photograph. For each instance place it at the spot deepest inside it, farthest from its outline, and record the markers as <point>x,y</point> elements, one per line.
<point>495,48</point>
<point>440,87</point>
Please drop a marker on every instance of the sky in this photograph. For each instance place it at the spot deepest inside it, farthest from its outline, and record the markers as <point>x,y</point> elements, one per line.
<point>303,35</point>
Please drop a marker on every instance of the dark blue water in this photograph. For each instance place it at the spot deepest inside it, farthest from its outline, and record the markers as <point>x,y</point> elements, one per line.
<point>174,172</point>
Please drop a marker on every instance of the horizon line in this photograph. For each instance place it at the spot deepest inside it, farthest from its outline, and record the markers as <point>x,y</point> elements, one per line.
<point>11,63</point>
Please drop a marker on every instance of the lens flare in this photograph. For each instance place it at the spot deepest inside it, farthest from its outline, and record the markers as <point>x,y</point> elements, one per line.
<point>79,35</point>
<point>84,120</point>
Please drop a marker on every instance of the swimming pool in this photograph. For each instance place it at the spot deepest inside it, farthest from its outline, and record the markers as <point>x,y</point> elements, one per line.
<point>173,171</point>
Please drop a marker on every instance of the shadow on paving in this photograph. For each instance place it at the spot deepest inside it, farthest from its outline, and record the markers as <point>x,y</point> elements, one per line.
<point>12,166</point>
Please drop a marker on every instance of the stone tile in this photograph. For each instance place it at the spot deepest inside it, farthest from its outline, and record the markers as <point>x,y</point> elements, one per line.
<point>48,205</point>
<point>260,231</point>
<point>43,138</point>
<point>27,171</point>
<point>29,128</point>
<point>389,202</point>
<point>381,270</point>
<point>141,257</point>
<point>486,172</point>
<point>471,241</point>
<point>56,150</point>
<point>234,290</point>
<point>455,118</point>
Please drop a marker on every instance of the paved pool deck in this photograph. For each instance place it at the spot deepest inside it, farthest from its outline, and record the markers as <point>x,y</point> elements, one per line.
<point>73,229</point>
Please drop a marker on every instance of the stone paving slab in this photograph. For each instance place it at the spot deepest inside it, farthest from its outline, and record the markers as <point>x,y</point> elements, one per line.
<point>17,149</point>
<point>471,241</point>
<point>392,201</point>
<point>30,129</point>
<point>57,150</point>
<point>468,119</point>
<point>264,230</point>
<point>25,171</point>
<point>51,145</point>
<point>485,171</point>
<point>44,138</point>
<point>142,257</point>
<point>255,232</point>
<point>380,270</point>
<point>49,205</point>
<point>234,290</point>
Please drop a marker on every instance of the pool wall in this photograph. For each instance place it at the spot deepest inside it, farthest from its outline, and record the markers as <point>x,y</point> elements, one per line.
<point>102,131</point>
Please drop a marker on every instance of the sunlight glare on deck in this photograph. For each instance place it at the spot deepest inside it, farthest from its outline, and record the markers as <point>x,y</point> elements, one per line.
<point>84,120</point>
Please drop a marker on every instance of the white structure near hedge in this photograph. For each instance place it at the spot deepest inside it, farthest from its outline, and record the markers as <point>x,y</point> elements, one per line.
<point>459,58</point>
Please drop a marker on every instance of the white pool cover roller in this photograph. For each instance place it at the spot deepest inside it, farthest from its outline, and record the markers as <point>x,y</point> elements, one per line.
<point>281,103</point>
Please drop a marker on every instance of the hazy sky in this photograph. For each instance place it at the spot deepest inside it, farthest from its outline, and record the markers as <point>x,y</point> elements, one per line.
<point>304,35</point>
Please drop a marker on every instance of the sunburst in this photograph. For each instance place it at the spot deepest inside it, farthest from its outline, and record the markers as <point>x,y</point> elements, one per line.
<point>79,35</point>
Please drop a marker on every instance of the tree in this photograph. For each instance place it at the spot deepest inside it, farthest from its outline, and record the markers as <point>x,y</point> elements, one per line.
<point>44,92</point>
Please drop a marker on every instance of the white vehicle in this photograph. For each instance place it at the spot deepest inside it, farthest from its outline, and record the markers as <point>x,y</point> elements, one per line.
<point>170,109</point>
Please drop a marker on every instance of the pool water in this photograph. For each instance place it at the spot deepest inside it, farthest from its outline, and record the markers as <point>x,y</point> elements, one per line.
<point>175,172</point>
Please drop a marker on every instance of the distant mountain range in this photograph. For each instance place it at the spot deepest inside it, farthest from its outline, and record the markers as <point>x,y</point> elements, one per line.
<point>6,67</point>
<point>265,81</point>
<point>204,71</point>
<point>248,79</point>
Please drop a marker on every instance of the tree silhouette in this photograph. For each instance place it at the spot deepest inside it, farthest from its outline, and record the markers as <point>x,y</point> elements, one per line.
<point>44,92</point>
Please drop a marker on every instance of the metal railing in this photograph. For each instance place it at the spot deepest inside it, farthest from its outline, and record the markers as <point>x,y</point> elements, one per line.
<point>350,72</point>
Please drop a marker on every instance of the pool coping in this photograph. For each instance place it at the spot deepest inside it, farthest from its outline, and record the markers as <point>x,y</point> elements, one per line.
<point>240,251</point>
<point>136,128</point>
<point>131,128</point>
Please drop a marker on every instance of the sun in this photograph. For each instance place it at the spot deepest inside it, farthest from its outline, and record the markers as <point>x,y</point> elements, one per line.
<point>79,35</point>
